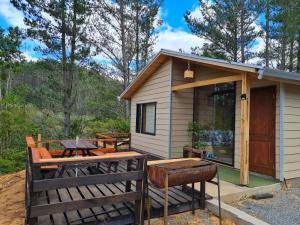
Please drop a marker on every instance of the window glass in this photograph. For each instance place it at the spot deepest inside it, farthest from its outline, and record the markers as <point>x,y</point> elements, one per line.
<point>145,118</point>
<point>149,125</point>
<point>215,116</point>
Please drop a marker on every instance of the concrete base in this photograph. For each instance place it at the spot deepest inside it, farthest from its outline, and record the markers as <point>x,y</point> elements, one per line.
<point>232,193</point>
<point>238,216</point>
<point>293,183</point>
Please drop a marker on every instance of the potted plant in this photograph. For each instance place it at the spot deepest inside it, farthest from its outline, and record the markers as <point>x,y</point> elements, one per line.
<point>198,148</point>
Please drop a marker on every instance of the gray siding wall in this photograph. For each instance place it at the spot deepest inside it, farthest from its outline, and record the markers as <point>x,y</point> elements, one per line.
<point>292,131</point>
<point>182,111</point>
<point>156,89</point>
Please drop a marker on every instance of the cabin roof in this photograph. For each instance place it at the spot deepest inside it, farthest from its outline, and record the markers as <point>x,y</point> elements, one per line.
<point>165,54</point>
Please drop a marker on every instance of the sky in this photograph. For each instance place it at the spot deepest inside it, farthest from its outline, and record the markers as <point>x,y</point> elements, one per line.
<point>174,33</point>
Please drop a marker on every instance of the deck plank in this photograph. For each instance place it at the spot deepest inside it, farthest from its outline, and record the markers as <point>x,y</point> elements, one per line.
<point>43,200</point>
<point>98,191</point>
<point>76,194</point>
<point>58,218</point>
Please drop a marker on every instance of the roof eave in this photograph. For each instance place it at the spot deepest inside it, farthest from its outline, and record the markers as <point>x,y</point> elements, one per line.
<point>124,93</point>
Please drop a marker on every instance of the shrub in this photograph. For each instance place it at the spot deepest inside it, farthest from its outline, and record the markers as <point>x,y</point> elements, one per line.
<point>12,160</point>
<point>110,125</point>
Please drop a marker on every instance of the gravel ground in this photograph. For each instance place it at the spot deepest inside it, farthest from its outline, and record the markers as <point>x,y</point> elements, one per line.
<point>282,209</point>
<point>201,217</point>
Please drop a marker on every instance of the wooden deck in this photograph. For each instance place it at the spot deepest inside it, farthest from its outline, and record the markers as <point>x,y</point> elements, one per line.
<point>121,213</point>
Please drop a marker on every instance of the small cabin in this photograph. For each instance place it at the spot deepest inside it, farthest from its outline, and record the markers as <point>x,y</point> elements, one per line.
<point>248,116</point>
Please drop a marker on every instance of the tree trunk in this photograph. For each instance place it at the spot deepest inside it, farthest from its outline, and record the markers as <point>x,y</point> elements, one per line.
<point>124,54</point>
<point>298,54</point>
<point>0,90</point>
<point>267,33</point>
<point>8,82</point>
<point>137,44</point>
<point>282,56</point>
<point>235,53</point>
<point>67,111</point>
<point>242,33</point>
<point>291,56</point>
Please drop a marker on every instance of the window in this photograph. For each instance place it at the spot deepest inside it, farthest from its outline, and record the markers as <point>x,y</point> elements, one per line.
<point>214,113</point>
<point>146,118</point>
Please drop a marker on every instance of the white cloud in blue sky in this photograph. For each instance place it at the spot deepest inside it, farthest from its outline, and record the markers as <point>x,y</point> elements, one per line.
<point>10,14</point>
<point>175,38</point>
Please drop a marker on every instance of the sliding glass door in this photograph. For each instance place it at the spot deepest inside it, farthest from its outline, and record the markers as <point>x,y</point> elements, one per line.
<point>214,115</point>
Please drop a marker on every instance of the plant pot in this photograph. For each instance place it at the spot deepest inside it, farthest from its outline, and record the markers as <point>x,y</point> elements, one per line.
<point>189,152</point>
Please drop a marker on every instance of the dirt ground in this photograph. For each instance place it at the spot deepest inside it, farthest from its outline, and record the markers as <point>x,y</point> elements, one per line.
<point>201,217</point>
<point>12,206</point>
<point>12,199</point>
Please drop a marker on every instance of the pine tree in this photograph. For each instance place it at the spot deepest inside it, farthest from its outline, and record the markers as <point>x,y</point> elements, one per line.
<point>286,25</point>
<point>229,26</point>
<point>124,34</point>
<point>10,57</point>
<point>59,25</point>
<point>145,18</point>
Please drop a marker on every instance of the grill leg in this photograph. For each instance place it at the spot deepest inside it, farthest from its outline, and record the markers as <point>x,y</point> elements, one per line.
<point>193,198</point>
<point>202,195</point>
<point>166,201</point>
<point>219,197</point>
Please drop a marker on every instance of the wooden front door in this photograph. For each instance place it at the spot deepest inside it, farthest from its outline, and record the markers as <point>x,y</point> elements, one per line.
<point>262,130</point>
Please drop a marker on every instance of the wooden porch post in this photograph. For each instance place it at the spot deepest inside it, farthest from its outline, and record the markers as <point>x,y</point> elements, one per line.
<point>245,122</point>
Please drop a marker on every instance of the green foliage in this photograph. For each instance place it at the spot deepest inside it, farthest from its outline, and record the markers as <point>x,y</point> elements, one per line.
<point>197,133</point>
<point>110,125</point>
<point>15,123</point>
<point>12,160</point>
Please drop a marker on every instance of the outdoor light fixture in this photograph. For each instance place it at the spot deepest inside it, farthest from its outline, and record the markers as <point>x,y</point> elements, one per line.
<point>189,73</point>
<point>243,97</point>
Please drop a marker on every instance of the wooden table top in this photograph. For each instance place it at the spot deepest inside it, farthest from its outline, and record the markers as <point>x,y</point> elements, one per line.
<point>82,144</point>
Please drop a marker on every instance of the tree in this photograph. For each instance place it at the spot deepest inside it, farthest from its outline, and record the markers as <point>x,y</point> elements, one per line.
<point>10,57</point>
<point>124,34</point>
<point>59,25</point>
<point>283,31</point>
<point>209,51</point>
<point>228,25</point>
<point>145,19</point>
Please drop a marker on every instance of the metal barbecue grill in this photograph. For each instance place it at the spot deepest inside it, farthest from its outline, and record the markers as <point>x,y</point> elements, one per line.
<point>169,173</point>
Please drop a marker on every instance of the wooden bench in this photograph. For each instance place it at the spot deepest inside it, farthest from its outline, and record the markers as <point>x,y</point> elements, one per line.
<point>30,142</point>
<point>120,138</point>
<point>42,153</point>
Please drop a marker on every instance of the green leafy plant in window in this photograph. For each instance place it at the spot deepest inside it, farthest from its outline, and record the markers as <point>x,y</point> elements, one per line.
<point>197,133</point>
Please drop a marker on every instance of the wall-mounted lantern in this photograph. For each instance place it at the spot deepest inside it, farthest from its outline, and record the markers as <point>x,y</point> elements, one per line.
<point>243,97</point>
<point>189,74</point>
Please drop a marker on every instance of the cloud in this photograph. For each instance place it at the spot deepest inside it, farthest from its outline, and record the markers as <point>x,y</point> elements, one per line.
<point>12,16</point>
<point>29,57</point>
<point>175,39</point>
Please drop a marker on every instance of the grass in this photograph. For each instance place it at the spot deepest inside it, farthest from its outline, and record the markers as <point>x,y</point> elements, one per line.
<point>232,175</point>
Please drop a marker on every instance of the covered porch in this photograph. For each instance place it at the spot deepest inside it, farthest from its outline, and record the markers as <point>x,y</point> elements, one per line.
<point>241,84</point>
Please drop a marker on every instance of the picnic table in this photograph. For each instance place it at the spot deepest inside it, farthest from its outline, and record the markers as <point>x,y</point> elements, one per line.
<point>83,145</point>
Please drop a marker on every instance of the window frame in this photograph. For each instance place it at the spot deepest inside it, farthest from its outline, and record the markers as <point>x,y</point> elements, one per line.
<point>140,118</point>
